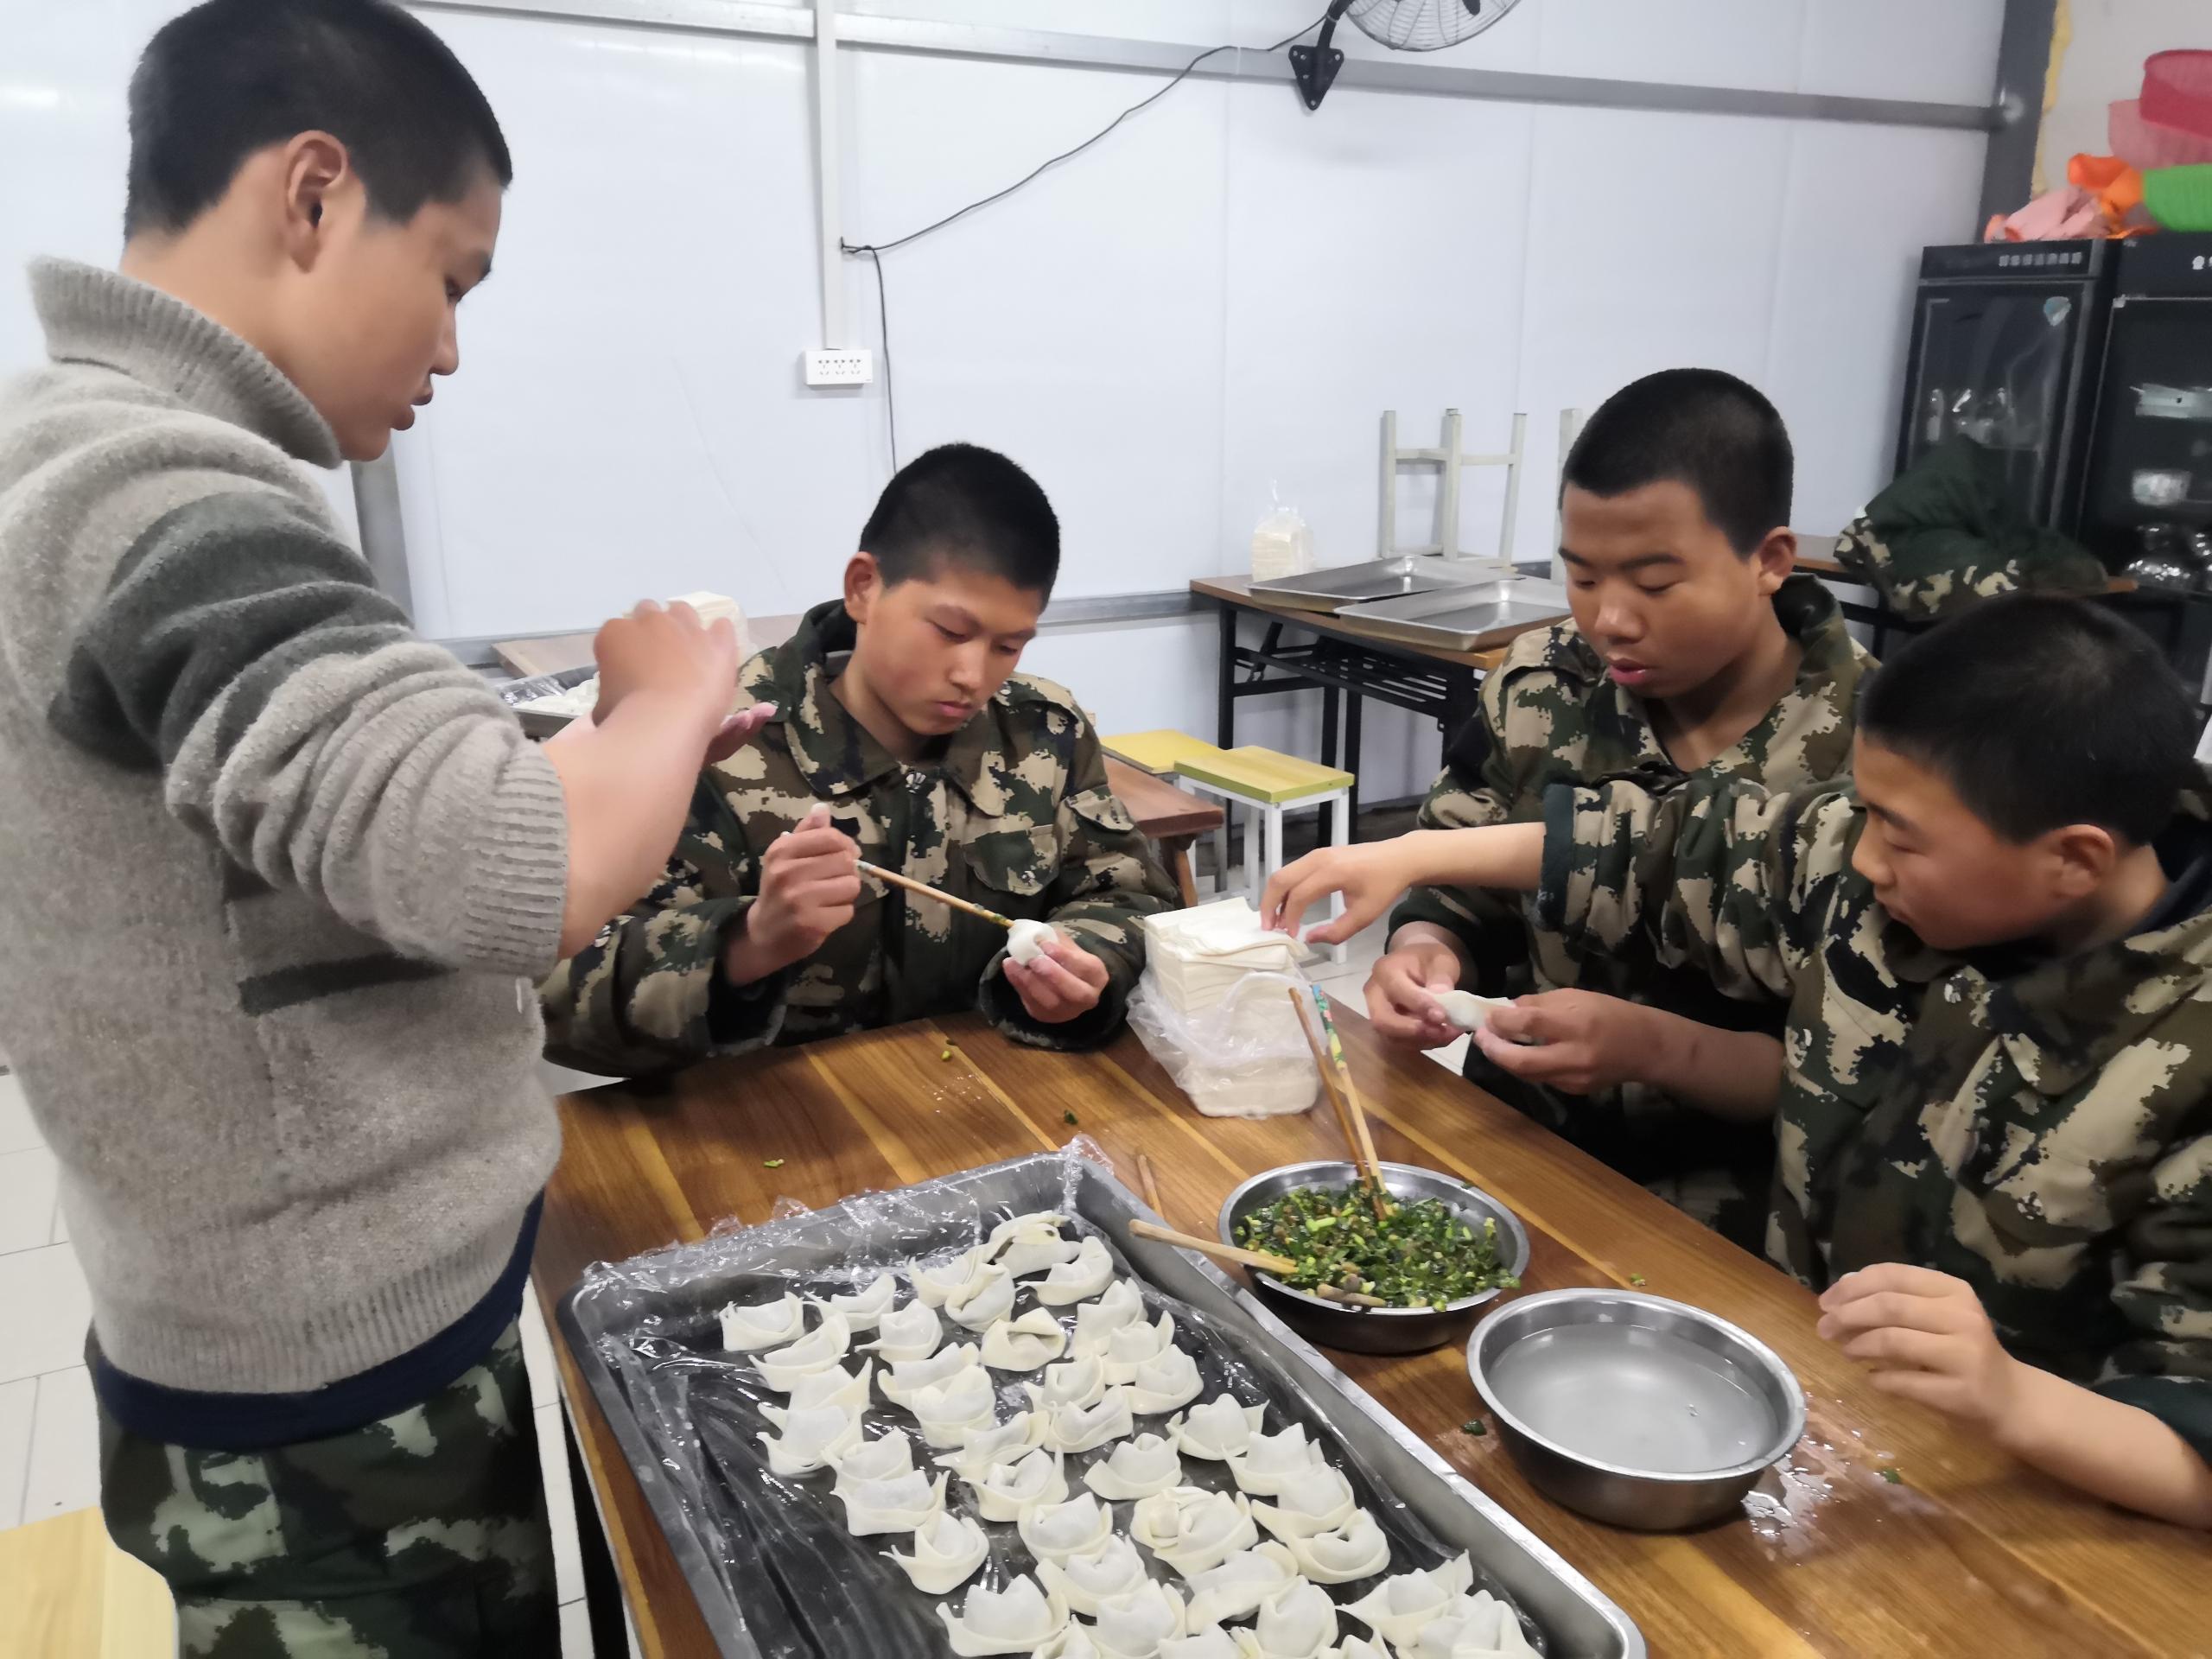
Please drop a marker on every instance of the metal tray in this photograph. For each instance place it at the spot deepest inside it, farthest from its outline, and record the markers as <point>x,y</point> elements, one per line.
<point>1461,625</point>
<point>1351,584</point>
<point>668,1291</point>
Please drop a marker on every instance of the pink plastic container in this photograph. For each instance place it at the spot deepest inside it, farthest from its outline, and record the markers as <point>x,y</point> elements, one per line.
<point>2177,91</point>
<point>2146,144</point>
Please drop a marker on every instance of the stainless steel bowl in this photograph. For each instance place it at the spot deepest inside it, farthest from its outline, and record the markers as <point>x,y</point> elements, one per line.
<point>1633,1409</point>
<point>1374,1330</point>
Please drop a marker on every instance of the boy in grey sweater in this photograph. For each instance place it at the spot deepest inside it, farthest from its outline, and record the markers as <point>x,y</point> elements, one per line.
<point>277,875</point>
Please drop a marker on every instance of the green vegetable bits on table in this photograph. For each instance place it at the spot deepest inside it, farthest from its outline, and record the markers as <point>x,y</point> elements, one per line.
<point>1421,1255</point>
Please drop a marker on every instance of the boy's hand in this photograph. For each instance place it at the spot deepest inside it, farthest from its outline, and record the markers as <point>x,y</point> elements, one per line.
<point>1371,877</point>
<point>1064,981</point>
<point>810,882</point>
<point>1580,1042</point>
<point>1402,988</point>
<point>667,653</point>
<point>1927,1339</point>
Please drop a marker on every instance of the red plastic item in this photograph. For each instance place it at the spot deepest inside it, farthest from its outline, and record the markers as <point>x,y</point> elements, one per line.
<point>2177,91</point>
<point>2147,145</point>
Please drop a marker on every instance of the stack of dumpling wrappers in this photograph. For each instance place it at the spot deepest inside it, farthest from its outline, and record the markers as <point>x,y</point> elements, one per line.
<point>1217,1016</point>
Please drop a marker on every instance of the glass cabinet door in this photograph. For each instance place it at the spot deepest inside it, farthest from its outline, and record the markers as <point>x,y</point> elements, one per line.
<point>1993,365</point>
<point>2153,466</point>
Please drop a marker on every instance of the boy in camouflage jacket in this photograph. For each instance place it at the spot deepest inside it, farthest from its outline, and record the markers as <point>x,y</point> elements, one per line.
<point>903,737</point>
<point>1692,651</point>
<point>1994,1104</point>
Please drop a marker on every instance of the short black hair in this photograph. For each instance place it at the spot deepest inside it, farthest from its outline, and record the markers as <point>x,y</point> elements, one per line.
<point>970,506</point>
<point>2040,712</point>
<point>1699,428</point>
<point>232,77</point>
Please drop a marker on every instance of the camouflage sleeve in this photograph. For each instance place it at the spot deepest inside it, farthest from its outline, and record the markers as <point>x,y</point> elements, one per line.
<point>1478,786</point>
<point>647,994</point>
<point>1716,873</point>
<point>1109,881</point>
<point>2166,1293</point>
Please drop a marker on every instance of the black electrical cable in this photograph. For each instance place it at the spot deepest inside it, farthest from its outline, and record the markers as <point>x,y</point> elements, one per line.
<point>875,251</point>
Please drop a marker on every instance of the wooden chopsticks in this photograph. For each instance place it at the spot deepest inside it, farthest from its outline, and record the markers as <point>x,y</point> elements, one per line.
<point>1345,1099</point>
<point>929,892</point>
<point>1265,1261</point>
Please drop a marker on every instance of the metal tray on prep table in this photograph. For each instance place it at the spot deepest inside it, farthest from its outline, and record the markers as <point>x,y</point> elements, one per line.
<point>621,1318</point>
<point>1409,575</point>
<point>1448,622</point>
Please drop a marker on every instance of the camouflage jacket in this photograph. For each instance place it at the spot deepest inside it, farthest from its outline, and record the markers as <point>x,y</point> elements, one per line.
<point>2039,1126</point>
<point>1549,715</point>
<point>1015,816</point>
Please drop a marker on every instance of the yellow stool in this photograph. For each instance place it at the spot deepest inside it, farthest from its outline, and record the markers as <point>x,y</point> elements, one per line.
<point>1260,780</point>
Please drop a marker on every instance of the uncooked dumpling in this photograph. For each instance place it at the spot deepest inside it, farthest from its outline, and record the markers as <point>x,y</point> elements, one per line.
<point>1006,1489</point>
<point>1359,1647</point>
<point>866,1307</point>
<point>987,1298</point>
<point>1163,1383</point>
<point>1396,1609</point>
<point>1355,1548</point>
<point>763,1325</point>
<point>1193,1529</point>
<point>833,1387</point>
<point>906,1375</point>
<point>1080,1428</point>
<point>1026,940</point>
<point>888,1454</point>
<point>1204,1641</point>
<point>1136,1469</point>
<point>1075,1526</point>
<point>1237,1587</point>
<point>1271,1459</point>
<point>1071,1383</point>
<point>948,1411</point>
<point>1001,1443</point>
<point>932,1285</point>
<point>908,1333</point>
<point>1095,1322</point>
<point>1220,1428</point>
<point>1024,1344</point>
<point>902,1503</point>
<point>809,1439</point>
<point>818,1350</point>
<point>1029,1243</point>
<point>1307,1501</point>
<point>947,1552</point>
<point>1133,1345</point>
<point>1073,1642</point>
<point>1132,1626</point>
<point>1466,1010</point>
<point>1017,1619</point>
<point>1089,1577</point>
<point>1479,1626</point>
<point>1084,1274</point>
<point>1298,1622</point>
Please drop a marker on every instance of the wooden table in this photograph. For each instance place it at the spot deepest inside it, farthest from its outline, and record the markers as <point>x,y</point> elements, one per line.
<point>1171,818</point>
<point>1968,1554</point>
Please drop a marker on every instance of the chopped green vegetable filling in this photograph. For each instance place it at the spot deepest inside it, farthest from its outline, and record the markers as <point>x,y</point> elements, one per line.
<point>1893,1478</point>
<point>1067,1118</point>
<point>1636,1279</point>
<point>771,1163</point>
<point>1476,1426</point>
<point>1422,1254</point>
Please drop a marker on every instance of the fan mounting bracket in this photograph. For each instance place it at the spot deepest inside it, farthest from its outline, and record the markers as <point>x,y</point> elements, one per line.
<point>1315,67</point>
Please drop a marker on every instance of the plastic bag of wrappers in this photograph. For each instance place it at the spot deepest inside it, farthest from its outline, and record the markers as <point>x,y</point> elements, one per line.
<point>1244,1056</point>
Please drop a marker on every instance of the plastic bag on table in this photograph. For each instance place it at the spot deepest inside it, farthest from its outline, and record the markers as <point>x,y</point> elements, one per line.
<point>1282,544</point>
<point>1244,1057</point>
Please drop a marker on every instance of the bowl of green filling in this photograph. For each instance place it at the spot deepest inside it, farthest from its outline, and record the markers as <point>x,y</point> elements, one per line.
<point>1440,1250</point>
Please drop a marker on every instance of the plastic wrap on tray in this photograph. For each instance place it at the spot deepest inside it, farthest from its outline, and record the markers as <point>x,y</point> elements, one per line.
<point>777,1544</point>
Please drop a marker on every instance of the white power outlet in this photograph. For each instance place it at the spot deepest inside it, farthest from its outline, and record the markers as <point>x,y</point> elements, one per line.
<point>852,367</point>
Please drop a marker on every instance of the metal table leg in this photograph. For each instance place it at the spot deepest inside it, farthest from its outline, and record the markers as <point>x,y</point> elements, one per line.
<point>1330,704</point>
<point>1225,680</point>
<point>1352,712</point>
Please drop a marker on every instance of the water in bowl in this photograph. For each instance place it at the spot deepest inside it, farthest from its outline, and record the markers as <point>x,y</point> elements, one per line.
<point>1634,1397</point>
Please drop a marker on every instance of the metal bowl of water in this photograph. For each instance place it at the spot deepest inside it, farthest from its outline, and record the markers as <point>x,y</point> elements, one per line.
<point>1376,1330</point>
<point>1632,1409</point>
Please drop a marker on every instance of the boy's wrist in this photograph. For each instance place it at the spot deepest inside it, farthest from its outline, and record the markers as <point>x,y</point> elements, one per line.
<point>2029,1409</point>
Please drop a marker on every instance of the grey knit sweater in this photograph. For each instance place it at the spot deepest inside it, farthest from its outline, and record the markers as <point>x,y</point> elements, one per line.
<point>276,874</point>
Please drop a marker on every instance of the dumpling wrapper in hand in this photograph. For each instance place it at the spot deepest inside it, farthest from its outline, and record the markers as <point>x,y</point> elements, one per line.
<point>1396,1609</point>
<point>1029,1243</point>
<point>1084,1274</point>
<point>1162,1383</point>
<point>1273,1459</point>
<point>908,1376</point>
<point>818,1350</point>
<point>1135,1469</point>
<point>1237,1587</point>
<point>906,1334</point>
<point>902,1503</point>
<point>947,1552</point>
<point>1479,1626</point>
<point>889,1454</point>
<point>1071,1382</point>
<point>1132,1626</point>
<point>1026,940</point>
<point>1006,1489</point>
<point>932,1285</point>
<point>763,1325</point>
<point>1466,1010</point>
<point>1082,1429</point>
<point>1133,1345</point>
<point>1089,1577</point>
<point>1298,1622</point>
<point>1219,1429</point>
<point>865,1308</point>
<point>833,1387</point>
<point>1193,1529</point>
<point>950,1411</point>
<point>1096,1322</point>
<point>1310,1501</point>
<point>1019,1619</point>
<point>1354,1549</point>
<point>987,1298</point>
<point>1076,1526</point>
<point>806,1439</point>
<point>1024,1344</point>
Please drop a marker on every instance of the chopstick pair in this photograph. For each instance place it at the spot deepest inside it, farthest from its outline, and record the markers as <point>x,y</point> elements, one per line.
<point>1265,1261</point>
<point>1351,1118</point>
<point>929,892</point>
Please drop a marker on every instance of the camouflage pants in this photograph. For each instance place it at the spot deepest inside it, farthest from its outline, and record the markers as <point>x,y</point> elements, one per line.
<point>422,1535</point>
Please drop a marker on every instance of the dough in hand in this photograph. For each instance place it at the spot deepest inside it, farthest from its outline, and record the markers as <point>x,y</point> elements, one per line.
<point>1026,940</point>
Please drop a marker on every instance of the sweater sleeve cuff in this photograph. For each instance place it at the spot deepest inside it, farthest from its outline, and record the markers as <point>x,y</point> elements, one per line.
<point>1558,854</point>
<point>516,888</point>
<point>2181,1403</point>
